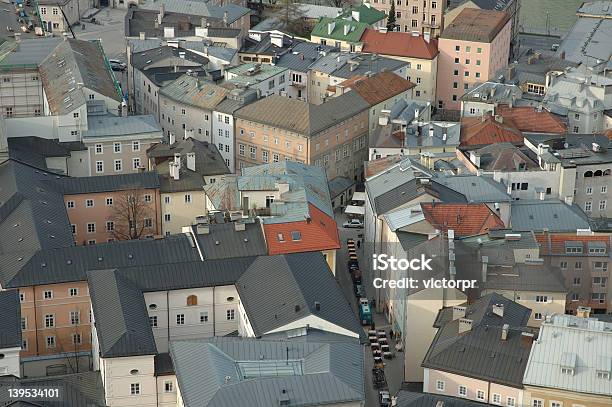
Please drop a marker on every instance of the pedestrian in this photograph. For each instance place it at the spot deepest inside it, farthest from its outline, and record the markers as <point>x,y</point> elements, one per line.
<point>391,333</point>
<point>358,243</point>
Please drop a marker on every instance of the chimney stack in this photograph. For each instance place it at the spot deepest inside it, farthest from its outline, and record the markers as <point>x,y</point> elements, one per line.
<point>225,18</point>
<point>465,325</point>
<point>498,309</point>
<point>177,160</point>
<point>174,170</point>
<point>431,131</point>
<point>527,339</point>
<point>239,226</point>
<point>161,14</point>
<point>504,332</point>
<point>583,312</point>
<point>191,161</point>
<point>426,37</point>
<point>485,262</point>
<point>475,158</point>
<point>458,312</point>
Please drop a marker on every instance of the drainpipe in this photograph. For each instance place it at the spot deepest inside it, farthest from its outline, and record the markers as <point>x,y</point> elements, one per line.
<point>214,319</point>
<point>35,321</point>
<point>168,315</point>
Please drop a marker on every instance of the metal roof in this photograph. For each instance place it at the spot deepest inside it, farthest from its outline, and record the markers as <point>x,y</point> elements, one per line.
<point>414,399</point>
<point>224,241</point>
<point>109,183</point>
<point>194,92</point>
<point>10,319</point>
<point>588,40</point>
<point>302,55</point>
<point>481,352</point>
<point>323,373</point>
<point>122,320</point>
<point>536,278</point>
<point>338,185</point>
<point>243,74</point>
<point>108,125</point>
<point>552,215</point>
<point>590,343</point>
<point>476,188</point>
<point>197,8</point>
<point>28,52</point>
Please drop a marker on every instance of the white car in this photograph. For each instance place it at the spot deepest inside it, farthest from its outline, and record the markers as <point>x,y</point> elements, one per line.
<point>353,223</point>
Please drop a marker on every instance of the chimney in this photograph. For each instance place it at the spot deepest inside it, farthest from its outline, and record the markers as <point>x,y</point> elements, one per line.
<point>511,71</point>
<point>541,195</point>
<point>64,35</point>
<point>239,226</point>
<point>465,325</point>
<point>562,56</point>
<point>498,309</point>
<point>439,403</point>
<point>177,160</point>
<point>172,139</point>
<point>203,22</point>
<point>569,200</point>
<point>174,170</point>
<point>485,263</point>
<point>191,165</point>
<point>225,18</point>
<point>499,118</point>
<point>504,332</point>
<point>431,131</point>
<point>426,37</point>
<point>17,37</point>
<point>162,13</point>
<point>458,312</point>
<point>583,312</point>
<point>475,158</point>
<point>142,35</point>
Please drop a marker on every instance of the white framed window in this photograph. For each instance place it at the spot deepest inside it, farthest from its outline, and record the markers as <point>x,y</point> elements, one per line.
<point>99,166</point>
<point>510,401</point>
<point>541,298</point>
<point>117,147</point>
<point>230,314</point>
<point>602,205</point>
<point>24,323</point>
<point>440,385</point>
<point>70,204</point>
<point>118,165</point>
<point>203,317</point>
<point>49,321</point>
<point>604,189</point>
<point>497,399</point>
<point>187,198</point>
<point>168,386</point>
<point>91,227</point>
<point>75,317</point>
<point>167,217</point>
<point>50,342</point>
<point>148,198</point>
<point>589,190</point>
<point>136,163</point>
<point>73,292</point>
<point>556,404</point>
<point>462,391</point>
<point>134,389</point>
<point>588,206</point>
<point>167,199</point>
<point>537,403</point>
<point>537,316</point>
<point>48,295</point>
<point>89,203</point>
<point>109,201</point>
<point>603,375</point>
<point>480,395</point>
<point>76,339</point>
<point>110,225</point>
<point>180,319</point>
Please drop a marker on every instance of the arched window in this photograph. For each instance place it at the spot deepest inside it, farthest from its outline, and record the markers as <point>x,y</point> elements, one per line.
<point>588,174</point>
<point>598,173</point>
<point>192,300</point>
<point>606,172</point>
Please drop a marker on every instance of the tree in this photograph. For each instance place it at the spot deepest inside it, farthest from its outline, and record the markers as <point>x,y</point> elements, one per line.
<point>291,15</point>
<point>132,215</point>
<point>391,17</point>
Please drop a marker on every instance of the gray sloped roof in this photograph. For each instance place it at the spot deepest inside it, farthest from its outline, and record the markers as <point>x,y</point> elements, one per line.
<point>326,373</point>
<point>553,215</point>
<point>480,352</point>
<point>292,288</point>
<point>121,317</point>
<point>338,185</point>
<point>301,56</point>
<point>109,125</point>
<point>10,319</point>
<point>198,8</point>
<point>77,390</point>
<point>414,399</point>
<point>367,63</point>
<point>525,277</point>
<point>223,241</point>
<point>476,188</point>
<point>107,183</point>
<point>72,263</point>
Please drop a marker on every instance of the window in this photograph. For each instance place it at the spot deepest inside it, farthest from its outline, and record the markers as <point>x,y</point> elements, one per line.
<point>296,235</point>
<point>456,60</point>
<point>537,316</point>
<point>556,404</point>
<point>575,297</point>
<point>73,292</point>
<point>253,152</point>
<point>89,203</point>
<point>576,129</point>
<point>467,61</point>
<point>153,321</point>
<point>70,204</point>
<point>180,319</point>
<point>74,317</point>
<point>148,222</point>
<point>75,114</point>
<point>49,321</point>
<point>24,323</point>
<point>109,201</point>
<point>440,385</point>
<point>230,314</point>
<point>497,399</point>
<point>604,189</point>
<point>541,298</point>
<point>510,402</point>
<point>462,391</point>
<point>576,279</point>
<point>47,295</point>
<point>167,217</point>
<point>598,297</point>
<point>187,198</point>
<point>91,227</point>
<point>480,395</point>
<point>241,149</point>
<point>110,226</point>
<point>50,341</point>
<point>578,265</point>
<point>466,73</point>
<point>457,48</point>
<point>415,23</point>
<point>456,72</point>
<point>192,300</point>
<point>603,375</point>
<point>118,165</point>
<point>135,163</point>
<point>537,403</point>
<point>588,206</point>
<point>602,205</point>
<point>99,166</point>
<point>135,389</point>
<point>117,147</point>
<point>478,74</point>
<point>280,237</point>
<point>264,156</point>
<point>22,297</point>
<point>168,387</point>
<point>76,339</point>
<point>203,317</point>
<point>148,198</point>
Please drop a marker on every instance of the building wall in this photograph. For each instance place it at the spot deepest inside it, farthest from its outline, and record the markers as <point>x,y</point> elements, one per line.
<point>119,374</point>
<point>54,19</point>
<point>493,57</point>
<point>179,118</point>
<point>532,181</point>
<point>21,93</point>
<point>598,196</point>
<point>9,364</point>
<point>167,305</point>
<point>166,397</point>
<point>453,381</point>
<point>128,153</point>
<point>554,305</point>
<point>223,137</point>
<point>415,15</point>
<point>385,105</point>
<point>34,309</point>
<point>146,99</point>
<point>80,215</point>
<point>182,213</point>
<point>565,398</point>
<point>344,45</point>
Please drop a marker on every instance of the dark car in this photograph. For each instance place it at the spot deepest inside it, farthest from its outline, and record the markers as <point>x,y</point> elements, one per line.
<point>358,288</point>
<point>117,65</point>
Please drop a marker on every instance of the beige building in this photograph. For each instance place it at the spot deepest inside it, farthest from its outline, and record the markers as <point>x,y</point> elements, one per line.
<point>332,135</point>
<point>413,15</point>
<point>420,52</point>
<point>569,364</point>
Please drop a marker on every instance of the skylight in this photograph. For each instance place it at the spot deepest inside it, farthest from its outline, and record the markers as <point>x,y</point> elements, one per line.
<point>269,368</point>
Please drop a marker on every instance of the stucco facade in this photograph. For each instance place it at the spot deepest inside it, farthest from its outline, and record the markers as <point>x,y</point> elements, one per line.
<point>414,15</point>
<point>123,154</point>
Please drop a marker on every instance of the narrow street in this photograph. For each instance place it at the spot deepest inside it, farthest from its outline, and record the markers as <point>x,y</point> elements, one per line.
<point>393,367</point>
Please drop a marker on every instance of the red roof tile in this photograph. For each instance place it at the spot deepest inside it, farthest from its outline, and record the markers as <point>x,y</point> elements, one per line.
<point>478,131</point>
<point>527,118</point>
<point>464,219</point>
<point>398,44</point>
<point>379,87</point>
<point>554,244</point>
<point>320,233</point>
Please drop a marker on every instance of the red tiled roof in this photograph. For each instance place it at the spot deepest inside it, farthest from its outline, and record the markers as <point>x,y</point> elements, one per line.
<point>379,87</point>
<point>475,131</point>
<point>379,165</point>
<point>527,118</point>
<point>398,44</point>
<point>464,219</point>
<point>320,233</point>
<point>551,244</point>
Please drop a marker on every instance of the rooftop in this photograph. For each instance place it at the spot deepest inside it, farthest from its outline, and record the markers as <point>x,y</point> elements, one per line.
<point>476,188</point>
<point>536,278</point>
<point>253,73</point>
<point>10,319</point>
<point>226,240</point>
<point>379,87</point>
<point>108,183</point>
<point>558,243</point>
<point>532,120</point>
<point>364,13</point>
<point>476,25</point>
<point>339,29</point>
<point>194,92</point>
<point>570,354</point>
<point>505,157</point>
<point>109,125</point>
<point>493,92</point>
<point>464,219</point>
<point>399,44</point>
<point>551,215</point>
<point>479,131</point>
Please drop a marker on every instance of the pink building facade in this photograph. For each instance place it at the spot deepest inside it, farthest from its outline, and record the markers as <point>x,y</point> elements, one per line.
<point>464,62</point>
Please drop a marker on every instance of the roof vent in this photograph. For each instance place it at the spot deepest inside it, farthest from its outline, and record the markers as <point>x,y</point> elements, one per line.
<point>317,305</point>
<point>130,256</point>
<point>68,262</point>
<point>100,258</point>
<point>297,308</point>
<point>43,264</point>
<point>228,379</point>
<point>217,242</point>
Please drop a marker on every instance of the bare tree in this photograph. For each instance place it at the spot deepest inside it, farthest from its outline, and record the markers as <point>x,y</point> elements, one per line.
<point>132,214</point>
<point>291,15</point>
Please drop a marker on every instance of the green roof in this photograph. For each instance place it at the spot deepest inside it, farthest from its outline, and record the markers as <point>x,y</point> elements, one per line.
<point>368,15</point>
<point>254,73</point>
<point>355,29</point>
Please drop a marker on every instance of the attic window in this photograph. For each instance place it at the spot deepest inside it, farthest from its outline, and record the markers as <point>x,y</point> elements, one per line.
<point>603,375</point>
<point>280,237</point>
<point>296,235</point>
<point>152,306</point>
<point>134,372</point>
<point>567,371</point>
<point>230,299</point>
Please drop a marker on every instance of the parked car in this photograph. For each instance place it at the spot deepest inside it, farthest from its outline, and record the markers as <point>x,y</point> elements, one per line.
<point>358,288</point>
<point>117,65</point>
<point>384,398</point>
<point>353,223</point>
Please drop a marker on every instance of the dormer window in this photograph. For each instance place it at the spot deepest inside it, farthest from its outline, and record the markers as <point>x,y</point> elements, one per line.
<point>568,363</point>
<point>603,375</point>
<point>567,371</point>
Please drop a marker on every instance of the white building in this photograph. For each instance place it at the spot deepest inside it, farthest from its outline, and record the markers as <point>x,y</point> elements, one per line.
<point>10,340</point>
